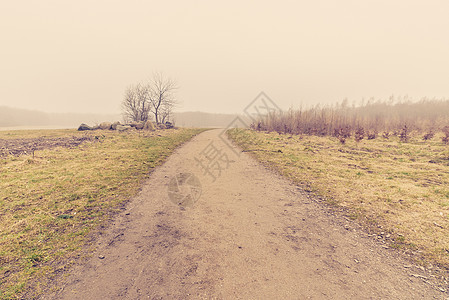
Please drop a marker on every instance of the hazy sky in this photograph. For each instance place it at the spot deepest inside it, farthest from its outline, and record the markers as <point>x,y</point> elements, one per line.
<point>79,56</point>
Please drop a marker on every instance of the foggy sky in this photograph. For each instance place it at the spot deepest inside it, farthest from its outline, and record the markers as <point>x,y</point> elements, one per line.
<point>79,56</point>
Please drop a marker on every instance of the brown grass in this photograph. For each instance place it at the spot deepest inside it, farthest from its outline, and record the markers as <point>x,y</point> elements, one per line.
<point>49,203</point>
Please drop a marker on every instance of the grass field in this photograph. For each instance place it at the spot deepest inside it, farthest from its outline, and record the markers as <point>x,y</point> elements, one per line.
<point>50,202</point>
<point>398,191</point>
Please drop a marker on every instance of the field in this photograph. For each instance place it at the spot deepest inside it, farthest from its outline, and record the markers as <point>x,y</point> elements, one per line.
<point>398,191</point>
<point>56,186</point>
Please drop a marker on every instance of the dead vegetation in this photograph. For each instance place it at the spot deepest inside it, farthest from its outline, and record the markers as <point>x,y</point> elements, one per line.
<point>394,117</point>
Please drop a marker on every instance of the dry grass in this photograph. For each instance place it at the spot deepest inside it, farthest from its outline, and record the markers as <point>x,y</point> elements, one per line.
<point>397,190</point>
<point>50,203</point>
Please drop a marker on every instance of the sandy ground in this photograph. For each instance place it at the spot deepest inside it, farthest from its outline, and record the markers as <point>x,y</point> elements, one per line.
<point>251,235</point>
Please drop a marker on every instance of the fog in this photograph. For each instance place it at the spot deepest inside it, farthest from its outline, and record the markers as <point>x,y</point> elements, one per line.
<point>79,56</point>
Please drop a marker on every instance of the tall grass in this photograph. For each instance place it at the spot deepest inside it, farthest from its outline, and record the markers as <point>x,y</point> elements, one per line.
<point>368,120</point>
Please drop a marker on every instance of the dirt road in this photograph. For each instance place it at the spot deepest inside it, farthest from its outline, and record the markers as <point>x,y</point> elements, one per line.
<point>251,235</point>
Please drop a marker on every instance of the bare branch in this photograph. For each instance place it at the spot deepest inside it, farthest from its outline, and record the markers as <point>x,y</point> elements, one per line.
<point>162,97</point>
<point>156,97</point>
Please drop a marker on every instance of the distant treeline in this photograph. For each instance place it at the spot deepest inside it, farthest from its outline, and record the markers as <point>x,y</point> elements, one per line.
<point>10,117</point>
<point>369,119</point>
<point>202,119</point>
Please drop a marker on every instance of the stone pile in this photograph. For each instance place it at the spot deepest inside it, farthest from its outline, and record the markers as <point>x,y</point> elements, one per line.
<point>148,125</point>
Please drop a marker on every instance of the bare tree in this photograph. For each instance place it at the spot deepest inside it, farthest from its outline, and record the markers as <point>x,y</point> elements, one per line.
<point>143,94</point>
<point>166,110</point>
<point>136,104</point>
<point>156,97</point>
<point>130,105</point>
<point>162,97</point>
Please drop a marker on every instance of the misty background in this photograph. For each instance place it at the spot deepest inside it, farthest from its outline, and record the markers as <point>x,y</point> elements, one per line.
<point>71,61</point>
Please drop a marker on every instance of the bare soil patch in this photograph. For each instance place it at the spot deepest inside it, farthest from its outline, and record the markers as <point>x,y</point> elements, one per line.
<point>17,147</point>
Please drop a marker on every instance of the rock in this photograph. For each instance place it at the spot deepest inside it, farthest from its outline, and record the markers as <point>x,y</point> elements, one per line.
<point>123,127</point>
<point>96,127</point>
<point>133,124</point>
<point>148,125</point>
<point>140,125</point>
<point>162,126</point>
<point>84,127</point>
<point>105,126</point>
<point>114,125</point>
<point>169,125</point>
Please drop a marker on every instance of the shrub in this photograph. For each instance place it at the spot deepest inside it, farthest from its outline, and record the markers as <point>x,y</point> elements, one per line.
<point>343,121</point>
<point>359,134</point>
<point>428,136</point>
<point>371,135</point>
<point>445,138</point>
<point>404,134</point>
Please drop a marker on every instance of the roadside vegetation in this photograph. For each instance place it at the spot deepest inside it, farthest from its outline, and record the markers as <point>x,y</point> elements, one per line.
<point>385,169</point>
<point>367,121</point>
<point>50,199</point>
